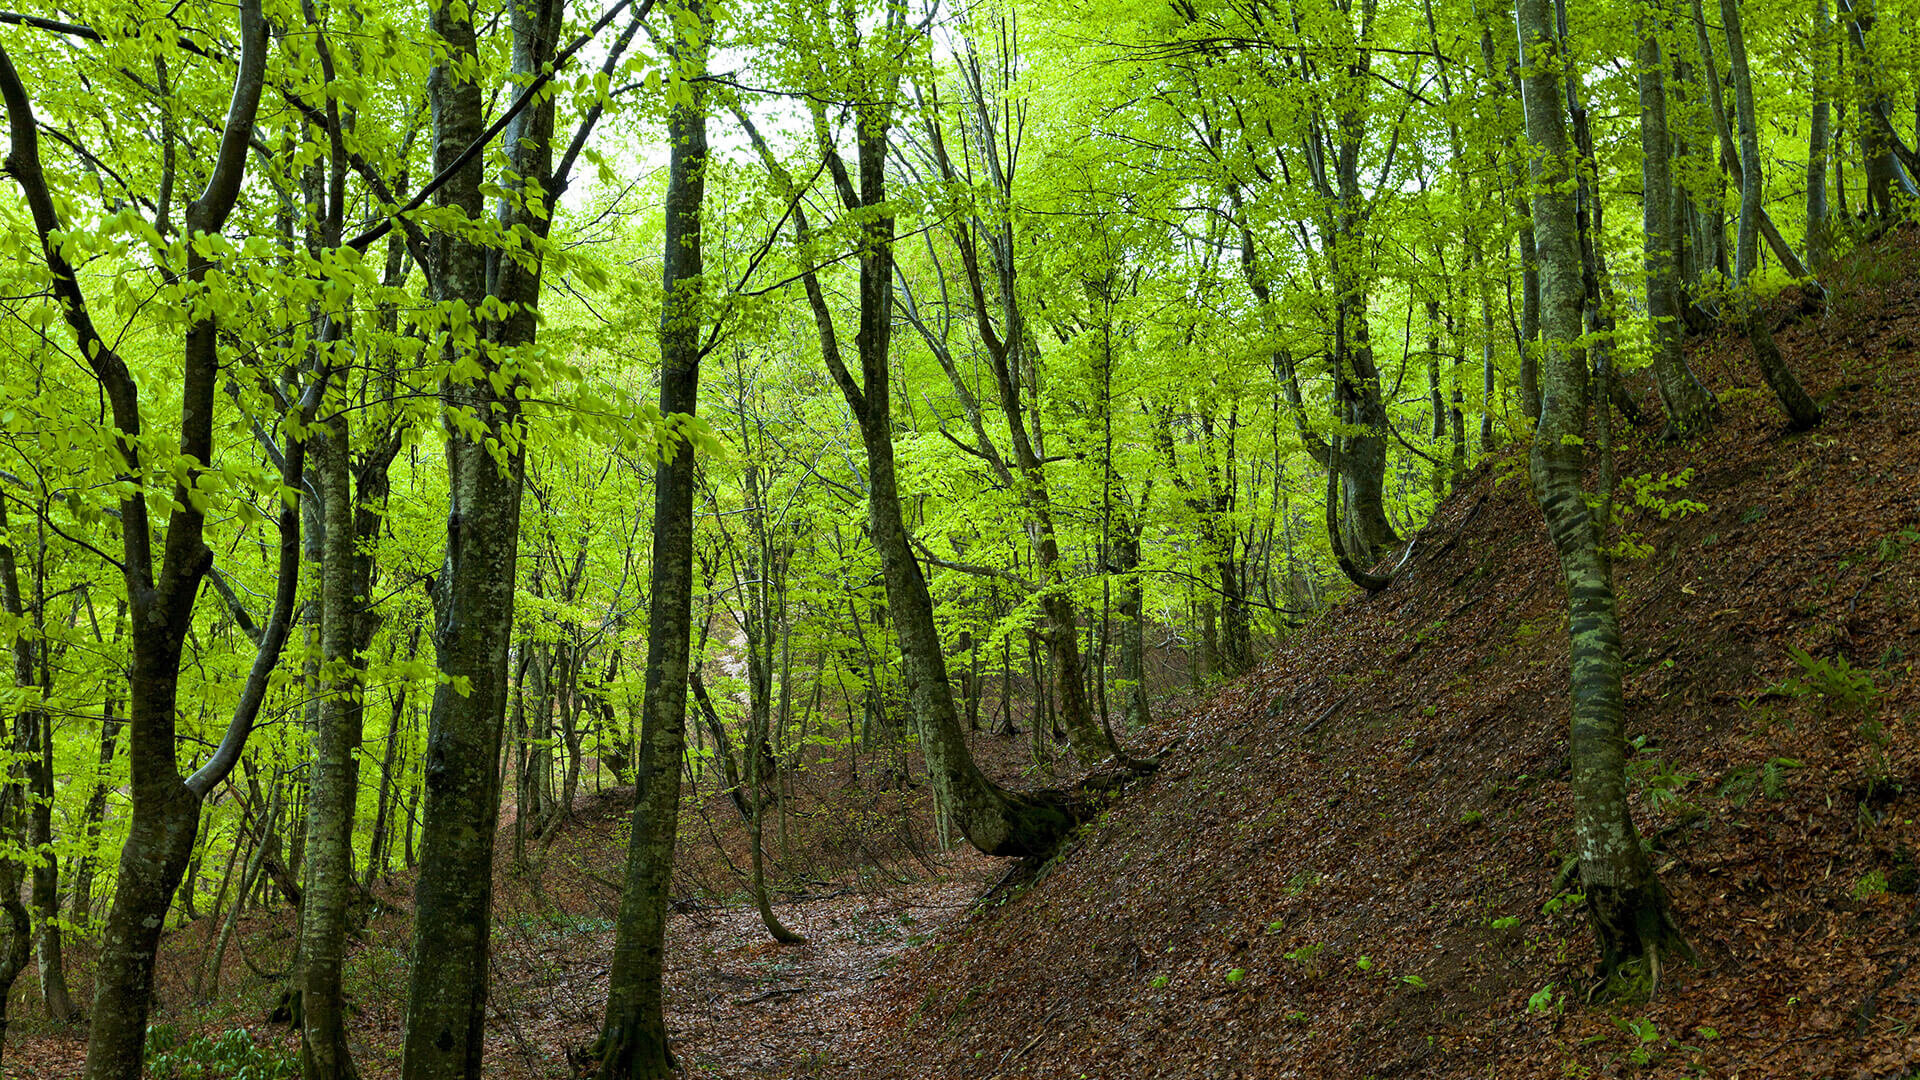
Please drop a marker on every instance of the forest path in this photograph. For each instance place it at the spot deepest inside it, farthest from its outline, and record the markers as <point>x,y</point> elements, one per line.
<point>738,1004</point>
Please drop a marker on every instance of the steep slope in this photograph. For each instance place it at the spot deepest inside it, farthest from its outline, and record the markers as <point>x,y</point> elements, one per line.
<point>1352,864</point>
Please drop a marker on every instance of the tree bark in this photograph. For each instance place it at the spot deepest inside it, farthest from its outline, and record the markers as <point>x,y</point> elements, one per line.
<point>1817,141</point>
<point>333,779</point>
<point>1688,404</point>
<point>633,1037</point>
<point>1801,411</point>
<point>165,805</point>
<point>474,593</point>
<point>993,819</point>
<point>1628,907</point>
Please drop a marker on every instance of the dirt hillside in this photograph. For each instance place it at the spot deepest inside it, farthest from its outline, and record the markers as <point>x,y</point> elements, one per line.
<point>1353,864</point>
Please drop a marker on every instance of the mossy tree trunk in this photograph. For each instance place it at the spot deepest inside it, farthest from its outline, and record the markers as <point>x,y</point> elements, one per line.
<point>1628,907</point>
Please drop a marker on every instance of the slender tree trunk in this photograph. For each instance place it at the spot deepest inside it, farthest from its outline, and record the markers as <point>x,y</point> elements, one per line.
<point>46,872</point>
<point>994,820</point>
<point>633,1037</point>
<point>380,851</point>
<point>247,878</point>
<point>1802,413</point>
<point>17,946</point>
<point>1436,402</point>
<point>1817,141</point>
<point>1688,404</point>
<point>1625,900</point>
<point>222,912</point>
<point>333,780</point>
<point>1133,676</point>
<point>80,906</point>
<point>758,757</point>
<point>21,826</point>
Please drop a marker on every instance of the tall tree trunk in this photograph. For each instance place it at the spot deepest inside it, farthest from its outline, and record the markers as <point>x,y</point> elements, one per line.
<point>166,806</point>
<point>1436,402</point>
<point>1730,159</point>
<point>1688,404</point>
<point>1527,345</point>
<point>1627,905</point>
<point>994,820</point>
<point>46,869</point>
<point>1802,413</point>
<point>1817,141</point>
<point>29,747</point>
<point>474,593</point>
<point>17,946</point>
<point>633,1038</point>
<point>333,779</point>
<point>380,850</point>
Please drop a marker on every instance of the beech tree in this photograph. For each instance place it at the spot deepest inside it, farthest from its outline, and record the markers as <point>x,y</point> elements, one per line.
<point>1628,906</point>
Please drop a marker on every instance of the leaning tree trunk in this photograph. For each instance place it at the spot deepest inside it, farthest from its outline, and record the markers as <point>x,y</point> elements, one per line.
<point>1627,905</point>
<point>633,1037</point>
<point>1688,404</point>
<point>1802,413</point>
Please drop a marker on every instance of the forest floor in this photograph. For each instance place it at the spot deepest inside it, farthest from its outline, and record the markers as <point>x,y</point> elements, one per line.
<point>1352,863</point>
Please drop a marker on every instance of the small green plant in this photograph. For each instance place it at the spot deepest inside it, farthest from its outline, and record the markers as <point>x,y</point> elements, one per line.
<point>1365,963</point>
<point>1768,779</point>
<point>1565,901</point>
<point>1505,922</point>
<point>1307,958</point>
<point>1159,982</point>
<point>1647,1036</point>
<point>232,1055</point>
<point>1472,817</point>
<point>1872,885</point>
<point>1894,545</point>
<point>1300,881</point>
<point>1414,981</point>
<point>1276,926</point>
<point>1542,1000</point>
<point>1236,975</point>
<point>1839,685</point>
<point>1648,496</point>
<point>1659,784</point>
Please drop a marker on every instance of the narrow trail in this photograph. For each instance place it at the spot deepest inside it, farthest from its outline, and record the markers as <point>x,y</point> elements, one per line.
<point>738,1004</point>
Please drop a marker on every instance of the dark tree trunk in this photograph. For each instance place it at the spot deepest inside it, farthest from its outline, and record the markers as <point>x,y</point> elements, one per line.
<point>474,593</point>
<point>633,1037</point>
<point>166,807</point>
